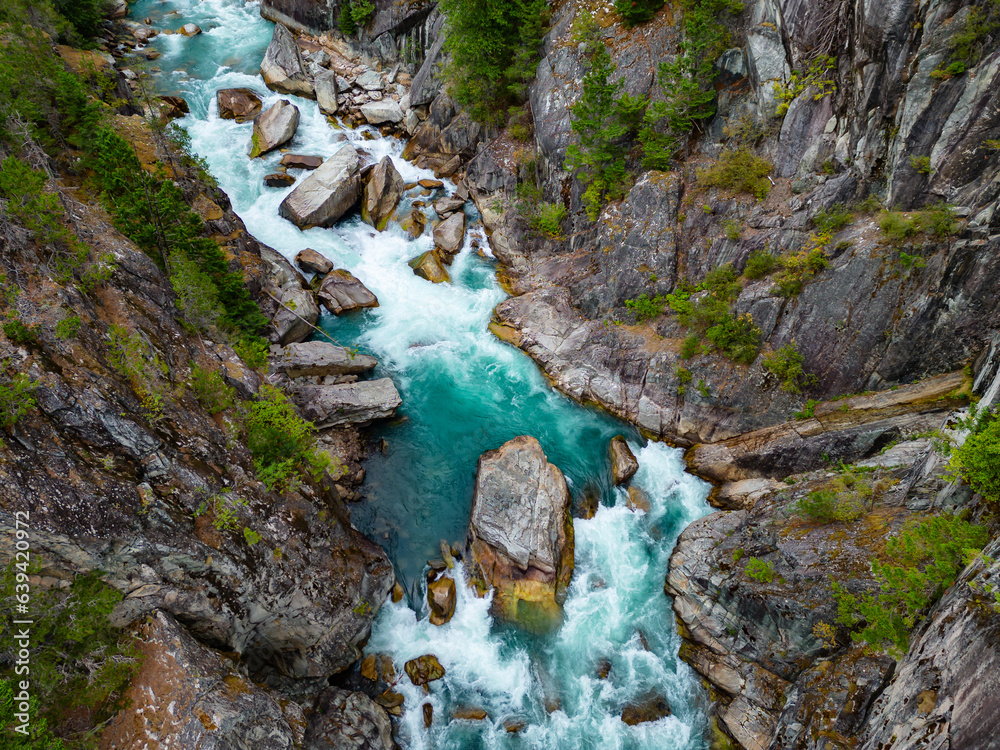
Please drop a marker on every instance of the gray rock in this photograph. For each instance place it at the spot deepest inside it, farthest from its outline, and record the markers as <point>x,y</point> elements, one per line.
<point>382,111</point>
<point>448,205</point>
<point>326,194</point>
<point>449,235</point>
<point>518,532</point>
<point>370,80</point>
<point>282,67</point>
<point>623,462</point>
<point>382,194</point>
<point>186,695</point>
<point>274,128</point>
<point>347,721</point>
<point>238,104</point>
<point>347,403</point>
<point>325,85</point>
<point>320,358</point>
<point>426,83</point>
<point>341,292</point>
<point>295,317</point>
<point>312,262</point>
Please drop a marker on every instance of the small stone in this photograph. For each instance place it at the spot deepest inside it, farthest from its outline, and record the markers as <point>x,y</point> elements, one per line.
<point>469,713</point>
<point>368,668</point>
<point>397,590</point>
<point>513,726</point>
<point>298,161</point>
<point>428,710</point>
<point>430,184</point>
<point>390,699</point>
<point>279,180</point>
<point>603,669</point>
<point>652,708</point>
<point>189,29</point>
<point>637,500</point>
<point>238,104</point>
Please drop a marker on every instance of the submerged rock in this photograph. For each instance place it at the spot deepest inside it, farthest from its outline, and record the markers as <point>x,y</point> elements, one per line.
<point>340,292</point>
<point>320,358</point>
<point>652,708</point>
<point>347,403</point>
<point>238,104</point>
<point>274,128</point>
<point>623,462</point>
<point>521,533</point>
<point>282,67</point>
<point>327,194</point>
<point>429,266</point>
<point>441,598</point>
<point>382,194</point>
<point>424,669</point>
<point>469,713</point>
<point>342,719</point>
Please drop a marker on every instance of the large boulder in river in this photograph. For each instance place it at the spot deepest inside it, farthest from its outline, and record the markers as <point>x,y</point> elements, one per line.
<point>428,266</point>
<point>295,317</point>
<point>312,262</point>
<point>382,111</point>
<point>274,128</point>
<point>347,403</point>
<point>282,68</point>
<point>450,234</point>
<point>238,104</point>
<point>623,462</point>
<point>382,194</point>
<point>441,598</point>
<point>309,358</point>
<point>187,695</point>
<point>340,292</point>
<point>521,533</point>
<point>327,194</point>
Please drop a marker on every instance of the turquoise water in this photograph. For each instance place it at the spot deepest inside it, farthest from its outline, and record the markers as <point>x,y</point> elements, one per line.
<point>463,392</point>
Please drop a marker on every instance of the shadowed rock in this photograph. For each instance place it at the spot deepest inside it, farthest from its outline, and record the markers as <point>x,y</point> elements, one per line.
<point>301,161</point>
<point>295,317</point>
<point>343,719</point>
<point>279,180</point>
<point>282,67</point>
<point>521,532</point>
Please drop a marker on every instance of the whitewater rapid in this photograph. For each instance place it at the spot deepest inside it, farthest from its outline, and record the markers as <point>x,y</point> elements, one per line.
<point>464,392</point>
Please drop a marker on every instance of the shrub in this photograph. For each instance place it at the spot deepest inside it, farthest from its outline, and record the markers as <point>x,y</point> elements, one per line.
<point>799,268</point>
<point>251,536</point>
<point>760,264</point>
<point>224,509</point>
<point>832,220</point>
<point>786,364</point>
<point>253,350</point>
<point>759,570</point>
<point>646,307</point>
<point>739,171</point>
<point>817,76</point>
<point>927,557</point>
<point>139,363</point>
<point>967,46</point>
<point>937,221</point>
<point>68,327</point>
<point>921,164</point>
<point>85,15</point>
<point>691,346</point>
<point>733,230</point>
<point>736,336</point>
<point>635,12</point>
<point>547,220</point>
<point>17,398</point>
<point>808,409</point>
<point>827,506</point>
<point>977,460</point>
<point>211,390</point>
<point>197,295</point>
<point>281,442</point>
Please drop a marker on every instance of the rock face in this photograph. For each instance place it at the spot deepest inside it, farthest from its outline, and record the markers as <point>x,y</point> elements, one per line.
<point>295,317</point>
<point>312,262</point>
<point>282,67</point>
<point>521,532</point>
<point>320,358</point>
<point>238,104</point>
<point>347,403</point>
<point>326,194</point>
<point>274,128</point>
<point>450,234</point>
<point>441,598</point>
<point>341,292</point>
<point>186,695</point>
<point>382,194</point>
<point>342,720</point>
<point>623,462</point>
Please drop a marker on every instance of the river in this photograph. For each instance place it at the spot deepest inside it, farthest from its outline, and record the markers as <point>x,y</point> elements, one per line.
<point>463,392</point>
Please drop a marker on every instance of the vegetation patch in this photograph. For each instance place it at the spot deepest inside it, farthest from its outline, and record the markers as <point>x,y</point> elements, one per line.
<point>977,460</point>
<point>787,364</point>
<point>938,222</point>
<point>818,75</point>
<point>739,171</point>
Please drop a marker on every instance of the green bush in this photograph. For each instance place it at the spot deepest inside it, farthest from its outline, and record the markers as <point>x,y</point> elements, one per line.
<point>808,409</point>
<point>733,230</point>
<point>211,390</point>
<point>80,664</point>
<point>17,398</point>
<point>646,307</point>
<point>547,219</point>
<point>800,267</point>
<point>739,171</point>
<point>691,346</point>
<point>982,25</point>
<point>921,164</point>
<point>827,506</point>
<point>736,336</point>
<point>832,220</point>
<point>635,12</point>
<point>253,350</point>
<point>759,570</point>
<point>85,15</point>
<point>786,363</point>
<point>926,557</point>
<point>68,327</point>
<point>977,460</point>
<point>224,509</point>
<point>818,76</point>
<point>760,264</point>
<point>937,221</point>
<point>139,363</point>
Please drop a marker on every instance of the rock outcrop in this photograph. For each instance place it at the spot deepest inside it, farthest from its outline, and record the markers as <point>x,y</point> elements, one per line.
<point>342,719</point>
<point>282,68</point>
<point>382,194</point>
<point>326,194</point>
<point>274,128</point>
<point>347,403</point>
<point>521,533</point>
